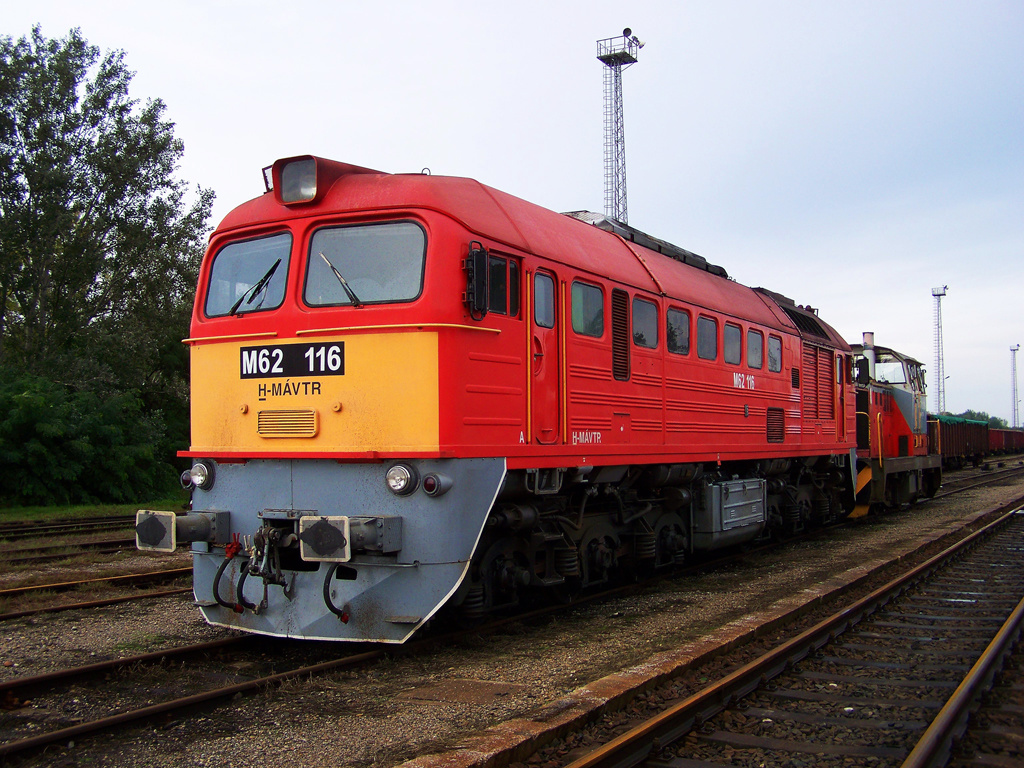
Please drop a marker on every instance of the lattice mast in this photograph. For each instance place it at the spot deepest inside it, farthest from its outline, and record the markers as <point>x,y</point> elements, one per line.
<point>940,367</point>
<point>616,53</point>
<point>1013,384</point>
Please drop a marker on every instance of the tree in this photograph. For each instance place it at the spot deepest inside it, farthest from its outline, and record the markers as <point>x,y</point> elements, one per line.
<point>993,421</point>
<point>96,242</point>
<point>99,248</point>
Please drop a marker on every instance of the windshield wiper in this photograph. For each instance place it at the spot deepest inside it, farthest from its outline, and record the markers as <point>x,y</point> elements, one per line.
<point>344,283</point>
<point>253,292</point>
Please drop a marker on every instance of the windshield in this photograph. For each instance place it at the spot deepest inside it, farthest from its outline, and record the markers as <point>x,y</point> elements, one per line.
<point>889,370</point>
<point>249,276</point>
<point>377,262</point>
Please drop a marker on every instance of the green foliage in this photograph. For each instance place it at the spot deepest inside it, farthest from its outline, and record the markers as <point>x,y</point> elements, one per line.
<point>99,253</point>
<point>60,446</point>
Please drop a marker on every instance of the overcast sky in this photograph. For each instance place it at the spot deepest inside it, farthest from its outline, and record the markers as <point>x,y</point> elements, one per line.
<point>850,155</point>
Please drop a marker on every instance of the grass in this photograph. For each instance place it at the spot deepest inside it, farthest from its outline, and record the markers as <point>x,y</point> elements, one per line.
<point>142,644</point>
<point>13,514</point>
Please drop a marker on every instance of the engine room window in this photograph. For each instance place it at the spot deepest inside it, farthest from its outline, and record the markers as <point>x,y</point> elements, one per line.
<point>677,331</point>
<point>732,344</point>
<point>755,349</point>
<point>774,354</point>
<point>365,264</point>
<point>504,286</point>
<point>544,300</point>
<point>645,324</point>
<point>587,309</point>
<point>707,338</point>
<point>249,276</point>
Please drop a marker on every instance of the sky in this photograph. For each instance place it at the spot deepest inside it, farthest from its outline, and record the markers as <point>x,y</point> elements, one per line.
<point>851,155</point>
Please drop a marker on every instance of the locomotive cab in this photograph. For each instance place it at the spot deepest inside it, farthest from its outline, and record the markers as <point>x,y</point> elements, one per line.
<point>894,465</point>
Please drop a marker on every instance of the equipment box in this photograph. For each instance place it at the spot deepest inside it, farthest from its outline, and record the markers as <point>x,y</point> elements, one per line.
<point>733,512</point>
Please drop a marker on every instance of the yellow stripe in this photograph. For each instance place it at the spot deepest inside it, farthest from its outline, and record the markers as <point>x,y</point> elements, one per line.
<point>863,478</point>
<point>563,376</point>
<point>529,358</point>
<point>263,335</point>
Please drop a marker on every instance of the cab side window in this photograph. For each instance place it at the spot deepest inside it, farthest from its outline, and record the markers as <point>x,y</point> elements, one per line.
<point>774,354</point>
<point>544,300</point>
<point>503,279</point>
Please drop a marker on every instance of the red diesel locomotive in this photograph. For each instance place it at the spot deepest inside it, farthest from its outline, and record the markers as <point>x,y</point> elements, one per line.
<point>412,392</point>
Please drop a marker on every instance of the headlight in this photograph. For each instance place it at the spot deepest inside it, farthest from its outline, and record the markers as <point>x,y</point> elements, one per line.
<point>200,476</point>
<point>401,479</point>
<point>298,181</point>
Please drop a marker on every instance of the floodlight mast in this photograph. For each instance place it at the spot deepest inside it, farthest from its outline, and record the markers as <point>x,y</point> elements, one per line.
<point>940,368</point>
<point>1013,383</point>
<point>616,53</point>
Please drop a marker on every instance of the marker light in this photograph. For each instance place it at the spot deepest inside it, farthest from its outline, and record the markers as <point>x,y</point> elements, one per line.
<point>436,484</point>
<point>401,479</point>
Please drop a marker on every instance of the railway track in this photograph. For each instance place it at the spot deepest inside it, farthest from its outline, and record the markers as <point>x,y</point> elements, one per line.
<point>886,680</point>
<point>151,577</point>
<point>20,732</point>
<point>977,480</point>
<point>29,529</point>
<point>59,552</point>
<point>995,733</point>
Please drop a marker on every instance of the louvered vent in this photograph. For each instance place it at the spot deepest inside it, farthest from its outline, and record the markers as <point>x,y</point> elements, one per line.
<point>818,389</point>
<point>796,378</point>
<point>826,381</point>
<point>776,425</point>
<point>620,334</point>
<point>298,423</point>
<point>810,389</point>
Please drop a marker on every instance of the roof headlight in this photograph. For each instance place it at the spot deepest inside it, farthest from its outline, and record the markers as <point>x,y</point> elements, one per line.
<point>401,479</point>
<point>298,181</point>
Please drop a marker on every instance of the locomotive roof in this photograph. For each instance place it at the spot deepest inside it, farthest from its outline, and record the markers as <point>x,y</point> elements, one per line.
<point>589,243</point>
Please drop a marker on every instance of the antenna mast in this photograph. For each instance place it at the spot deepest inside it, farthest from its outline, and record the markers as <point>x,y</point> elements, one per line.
<point>940,367</point>
<point>616,53</point>
<point>1013,383</point>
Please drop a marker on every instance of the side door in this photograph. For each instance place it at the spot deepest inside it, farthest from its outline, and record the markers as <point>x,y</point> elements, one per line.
<point>545,367</point>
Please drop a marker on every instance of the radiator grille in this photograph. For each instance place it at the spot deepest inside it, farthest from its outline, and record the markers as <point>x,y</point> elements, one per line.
<point>776,425</point>
<point>297,423</point>
<point>819,383</point>
<point>620,334</point>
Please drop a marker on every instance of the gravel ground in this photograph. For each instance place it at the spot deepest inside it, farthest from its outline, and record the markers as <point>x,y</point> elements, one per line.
<point>429,702</point>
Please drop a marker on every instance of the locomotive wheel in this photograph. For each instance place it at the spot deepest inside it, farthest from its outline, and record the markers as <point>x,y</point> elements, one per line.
<point>798,511</point>
<point>598,554</point>
<point>504,571</point>
<point>672,542</point>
